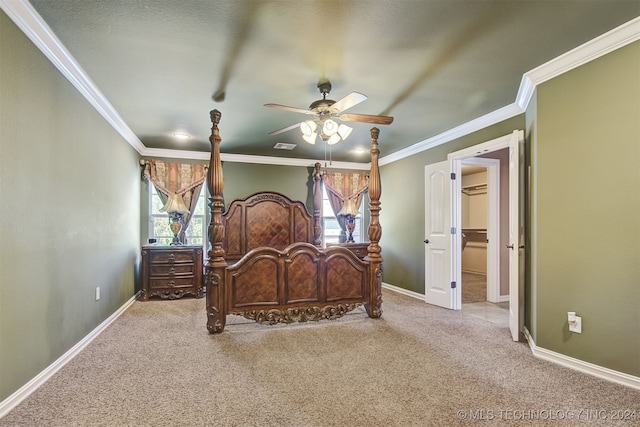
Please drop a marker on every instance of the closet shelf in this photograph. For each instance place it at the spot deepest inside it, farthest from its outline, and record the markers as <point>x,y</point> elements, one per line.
<point>474,189</point>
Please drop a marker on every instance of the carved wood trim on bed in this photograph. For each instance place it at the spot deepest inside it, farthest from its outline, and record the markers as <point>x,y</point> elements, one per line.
<point>262,262</point>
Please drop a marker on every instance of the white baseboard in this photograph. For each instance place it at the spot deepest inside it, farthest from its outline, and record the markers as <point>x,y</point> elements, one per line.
<point>23,392</point>
<point>403,291</point>
<point>582,366</point>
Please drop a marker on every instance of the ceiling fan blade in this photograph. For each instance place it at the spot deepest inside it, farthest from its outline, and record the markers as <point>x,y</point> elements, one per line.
<point>366,118</point>
<point>354,98</point>
<point>294,109</point>
<point>293,126</point>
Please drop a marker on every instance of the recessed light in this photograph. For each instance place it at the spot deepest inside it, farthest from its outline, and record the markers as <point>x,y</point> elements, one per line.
<point>359,150</point>
<point>181,135</point>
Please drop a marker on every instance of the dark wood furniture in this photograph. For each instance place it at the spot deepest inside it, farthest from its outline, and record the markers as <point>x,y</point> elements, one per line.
<point>360,249</point>
<point>171,272</point>
<point>265,259</point>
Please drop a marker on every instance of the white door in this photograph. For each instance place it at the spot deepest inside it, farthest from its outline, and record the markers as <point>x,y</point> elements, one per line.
<point>437,241</point>
<point>516,237</point>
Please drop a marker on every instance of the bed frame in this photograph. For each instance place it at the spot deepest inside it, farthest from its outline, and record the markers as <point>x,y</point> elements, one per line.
<point>265,259</point>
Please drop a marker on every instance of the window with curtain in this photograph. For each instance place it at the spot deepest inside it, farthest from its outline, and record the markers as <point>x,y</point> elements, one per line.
<point>339,188</point>
<point>171,179</point>
<point>159,221</point>
<point>330,225</point>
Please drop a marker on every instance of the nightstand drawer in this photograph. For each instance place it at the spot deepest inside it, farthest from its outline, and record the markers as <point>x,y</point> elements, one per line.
<point>171,283</point>
<point>171,270</point>
<point>170,256</point>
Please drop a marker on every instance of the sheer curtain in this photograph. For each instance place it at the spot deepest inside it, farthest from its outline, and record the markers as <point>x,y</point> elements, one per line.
<point>340,187</point>
<point>179,178</point>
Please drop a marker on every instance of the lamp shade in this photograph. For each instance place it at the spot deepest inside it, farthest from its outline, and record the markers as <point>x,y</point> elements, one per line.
<point>333,139</point>
<point>308,127</point>
<point>175,204</point>
<point>348,208</point>
<point>344,131</point>
<point>311,139</point>
<point>329,127</point>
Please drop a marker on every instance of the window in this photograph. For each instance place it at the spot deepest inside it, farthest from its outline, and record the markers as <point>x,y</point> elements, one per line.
<point>159,220</point>
<point>330,226</point>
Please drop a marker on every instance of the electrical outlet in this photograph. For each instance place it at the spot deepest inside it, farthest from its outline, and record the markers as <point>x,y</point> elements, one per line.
<point>97,293</point>
<point>575,323</point>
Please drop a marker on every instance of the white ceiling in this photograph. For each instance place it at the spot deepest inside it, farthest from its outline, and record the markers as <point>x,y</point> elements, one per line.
<point>432,64</point>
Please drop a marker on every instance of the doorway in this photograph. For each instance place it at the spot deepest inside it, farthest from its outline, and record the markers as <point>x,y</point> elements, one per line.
<point>483,282</point>
<point>443,224</point>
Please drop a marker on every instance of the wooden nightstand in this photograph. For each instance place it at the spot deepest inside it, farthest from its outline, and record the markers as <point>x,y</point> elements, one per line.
<point>360,249</point>
<point>171,272</point>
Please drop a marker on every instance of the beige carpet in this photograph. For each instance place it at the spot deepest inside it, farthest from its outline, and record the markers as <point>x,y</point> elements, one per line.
<point>416,366</point>
<point>474,287</point>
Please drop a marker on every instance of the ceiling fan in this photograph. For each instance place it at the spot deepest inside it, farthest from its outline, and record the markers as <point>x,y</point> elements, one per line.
<point>325,111</point>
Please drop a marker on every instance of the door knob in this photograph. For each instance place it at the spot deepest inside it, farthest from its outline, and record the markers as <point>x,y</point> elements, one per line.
<point>426,240</point>
<point>510,246</point>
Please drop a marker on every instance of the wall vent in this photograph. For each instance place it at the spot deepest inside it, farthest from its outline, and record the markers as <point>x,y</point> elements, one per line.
<point>284,146</point>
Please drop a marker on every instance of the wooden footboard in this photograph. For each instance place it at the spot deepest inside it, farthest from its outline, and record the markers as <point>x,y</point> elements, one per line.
<point>299,283</point>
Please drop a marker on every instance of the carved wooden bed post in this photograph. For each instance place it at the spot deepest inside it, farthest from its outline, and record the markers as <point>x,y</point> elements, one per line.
<point>216,265</point>
<point>374,306</point>
<point>317,206</point>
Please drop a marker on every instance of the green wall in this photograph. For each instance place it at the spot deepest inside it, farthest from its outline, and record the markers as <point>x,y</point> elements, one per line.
<point>243,179</point>
<point>69,220</point>
<point>402,215</point>
<point>586,247</point>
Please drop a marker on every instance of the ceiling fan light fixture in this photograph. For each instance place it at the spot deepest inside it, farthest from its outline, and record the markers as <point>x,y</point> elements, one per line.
<point>308,127</point>
<point>311,138</point>
<point>344,131</point>
<point>333,139</point>
<point>329,127</point>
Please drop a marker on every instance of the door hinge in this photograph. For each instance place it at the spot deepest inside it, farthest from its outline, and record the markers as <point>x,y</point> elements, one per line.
<point>453,175</point>
<point>453,230</point>
<point>453,285</point>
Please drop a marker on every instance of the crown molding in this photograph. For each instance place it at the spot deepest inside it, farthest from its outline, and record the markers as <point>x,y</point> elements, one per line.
<point>243,158</point>
<point>175,154</point>
<point>621,36</point>
<point>36,29</point>
<point>482,122</point>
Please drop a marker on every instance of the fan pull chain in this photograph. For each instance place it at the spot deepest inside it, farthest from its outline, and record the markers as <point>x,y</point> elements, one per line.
<point>330,156</point>
<point>325,155</point>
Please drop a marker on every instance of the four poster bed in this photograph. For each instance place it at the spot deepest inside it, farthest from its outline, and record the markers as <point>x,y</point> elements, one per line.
<point>266,261</point>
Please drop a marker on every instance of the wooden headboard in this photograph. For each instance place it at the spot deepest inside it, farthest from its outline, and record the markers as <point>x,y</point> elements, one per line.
<point>265,219</point>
